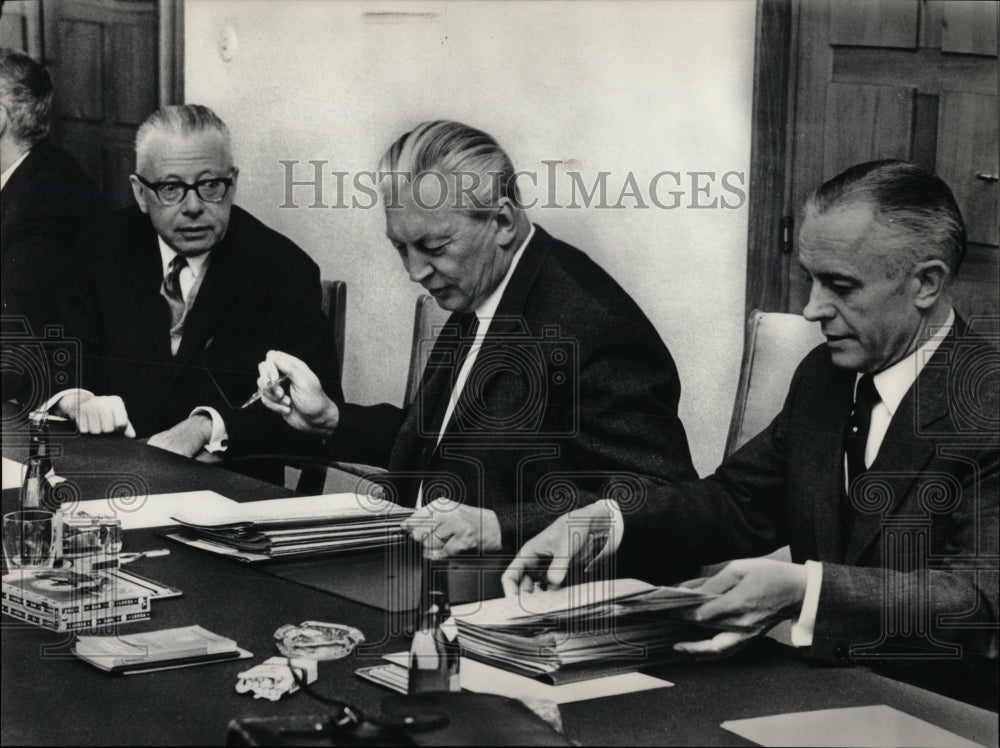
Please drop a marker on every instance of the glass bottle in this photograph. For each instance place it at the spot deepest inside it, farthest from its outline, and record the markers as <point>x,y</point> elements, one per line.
<point>36,488</point>
<point>434,651</point>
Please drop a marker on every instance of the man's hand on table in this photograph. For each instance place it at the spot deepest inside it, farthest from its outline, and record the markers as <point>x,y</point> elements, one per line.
<point>575,538</point>
<point>93,414</point>
<point>753,592</point>
<point>455,528</point>
<point>188,438</point>
<point>301,401</point>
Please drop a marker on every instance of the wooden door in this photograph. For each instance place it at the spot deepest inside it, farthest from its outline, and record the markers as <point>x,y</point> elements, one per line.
<point>871,79</point>
<point>112,62</point>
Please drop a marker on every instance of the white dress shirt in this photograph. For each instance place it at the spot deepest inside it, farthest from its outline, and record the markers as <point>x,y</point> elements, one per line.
<point>6,174</point>
<point>484,314</point>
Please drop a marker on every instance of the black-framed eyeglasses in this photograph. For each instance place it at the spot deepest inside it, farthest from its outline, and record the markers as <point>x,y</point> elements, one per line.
<point>211,190</point>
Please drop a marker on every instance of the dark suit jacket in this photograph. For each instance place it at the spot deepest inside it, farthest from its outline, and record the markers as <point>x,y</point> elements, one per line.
<point>260,292</point>
<point>923,540</point>
<point>42,206</point>
<point>573,391</point>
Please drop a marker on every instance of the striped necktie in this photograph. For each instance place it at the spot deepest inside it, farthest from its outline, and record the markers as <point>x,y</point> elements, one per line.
<point>171,292</point>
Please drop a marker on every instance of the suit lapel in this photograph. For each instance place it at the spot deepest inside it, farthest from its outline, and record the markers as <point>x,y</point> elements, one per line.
<point>508,322</point>
<point>827,495</point>
<point>219,288</point>
<point>146,270</point>
<point>905,451</point>
<point>13,192</point>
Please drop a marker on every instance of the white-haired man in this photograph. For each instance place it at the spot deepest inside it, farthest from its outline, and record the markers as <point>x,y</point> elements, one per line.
<point>548,381</point>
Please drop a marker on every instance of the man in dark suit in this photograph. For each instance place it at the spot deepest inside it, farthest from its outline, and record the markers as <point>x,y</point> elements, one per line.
<point>881,470</point>
<point>176,300</point>
<point>44,199</point>
<point>547,381</point>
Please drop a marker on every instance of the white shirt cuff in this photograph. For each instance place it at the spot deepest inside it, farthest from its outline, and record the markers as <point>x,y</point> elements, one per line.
<point>617,530</point>
<point>802,629</point>
<point>219,440</point>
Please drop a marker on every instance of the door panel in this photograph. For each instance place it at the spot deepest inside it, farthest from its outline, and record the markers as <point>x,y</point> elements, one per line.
<point>864,123</point>
<point>907,79</point>
<point>887,23</point>
<point>967,156</point>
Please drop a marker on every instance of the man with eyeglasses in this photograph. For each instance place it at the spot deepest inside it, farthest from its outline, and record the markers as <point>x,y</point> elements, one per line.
<point>175,301</point>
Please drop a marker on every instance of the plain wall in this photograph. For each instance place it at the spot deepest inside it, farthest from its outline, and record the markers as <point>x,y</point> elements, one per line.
<point>636,87</point>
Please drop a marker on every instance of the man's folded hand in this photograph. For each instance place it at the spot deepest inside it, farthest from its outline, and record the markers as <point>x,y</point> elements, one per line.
<point>187,438</point>
<point>95,414</point>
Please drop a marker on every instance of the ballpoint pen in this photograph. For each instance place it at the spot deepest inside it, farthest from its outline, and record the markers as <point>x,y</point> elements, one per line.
<point>260,393</point>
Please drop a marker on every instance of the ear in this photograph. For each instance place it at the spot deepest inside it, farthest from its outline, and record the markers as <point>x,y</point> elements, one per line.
<point>235,178</point>
<point>4,117</point>
<point>931,277</point>
<point>506,219</point>
<point>139,193</point>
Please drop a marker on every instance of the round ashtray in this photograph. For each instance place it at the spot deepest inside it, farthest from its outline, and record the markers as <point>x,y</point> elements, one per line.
<point>316,640</point>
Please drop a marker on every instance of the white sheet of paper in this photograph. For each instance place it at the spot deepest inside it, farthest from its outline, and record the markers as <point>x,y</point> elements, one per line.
<point>156,510</point>
<point>505,610</point>
<point>482,678</point>
<point>874,726</point>
<point>299,507</point>
<point>12,474</point>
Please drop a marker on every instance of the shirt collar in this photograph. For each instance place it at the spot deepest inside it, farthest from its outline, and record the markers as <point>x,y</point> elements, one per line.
<point>5,176</point>
<point>488,308</point>
<point>893,383</point>
<point>167,253</point>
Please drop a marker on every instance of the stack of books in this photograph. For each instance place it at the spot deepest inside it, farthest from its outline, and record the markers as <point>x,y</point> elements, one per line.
<point>294,528</point>
<point>62,600</point>
<point>581,631</point>
<point>157,650</point>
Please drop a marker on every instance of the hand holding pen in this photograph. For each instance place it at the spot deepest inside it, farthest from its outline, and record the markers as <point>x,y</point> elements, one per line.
<point>270,386</point>
<point>288,386</point>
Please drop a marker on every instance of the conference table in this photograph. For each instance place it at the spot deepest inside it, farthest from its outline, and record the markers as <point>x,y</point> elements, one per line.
<point>51,697</point>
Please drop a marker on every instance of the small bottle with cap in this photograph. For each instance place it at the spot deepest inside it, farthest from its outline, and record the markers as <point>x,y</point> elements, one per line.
<point>434,651</point>
<point>37,486</point>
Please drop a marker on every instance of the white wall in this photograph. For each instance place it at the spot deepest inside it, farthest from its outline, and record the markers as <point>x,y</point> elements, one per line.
<point>638,87</point>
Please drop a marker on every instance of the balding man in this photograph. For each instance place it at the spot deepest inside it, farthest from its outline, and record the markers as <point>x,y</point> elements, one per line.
<point>548,381</point>
<point>881,471</point>
<point>179,297</point>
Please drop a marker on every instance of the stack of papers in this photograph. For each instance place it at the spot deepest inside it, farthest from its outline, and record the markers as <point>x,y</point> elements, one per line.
<point>292,528</point>
<point>572,633</point>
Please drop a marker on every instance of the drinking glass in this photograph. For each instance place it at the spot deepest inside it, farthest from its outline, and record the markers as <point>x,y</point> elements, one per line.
<point>29,539</point>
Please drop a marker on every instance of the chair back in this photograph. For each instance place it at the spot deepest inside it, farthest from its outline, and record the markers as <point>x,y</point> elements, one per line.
<point>335,309</point>
<point>427,322</point>
<point>775,344</point>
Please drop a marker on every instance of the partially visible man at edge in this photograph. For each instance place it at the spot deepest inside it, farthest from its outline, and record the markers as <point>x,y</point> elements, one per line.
<point>45,198</point>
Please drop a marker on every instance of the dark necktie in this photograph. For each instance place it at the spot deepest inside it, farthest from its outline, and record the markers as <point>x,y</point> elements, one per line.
<point>171,291</point>
<point>442,381</point>
<point>856,439</point>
